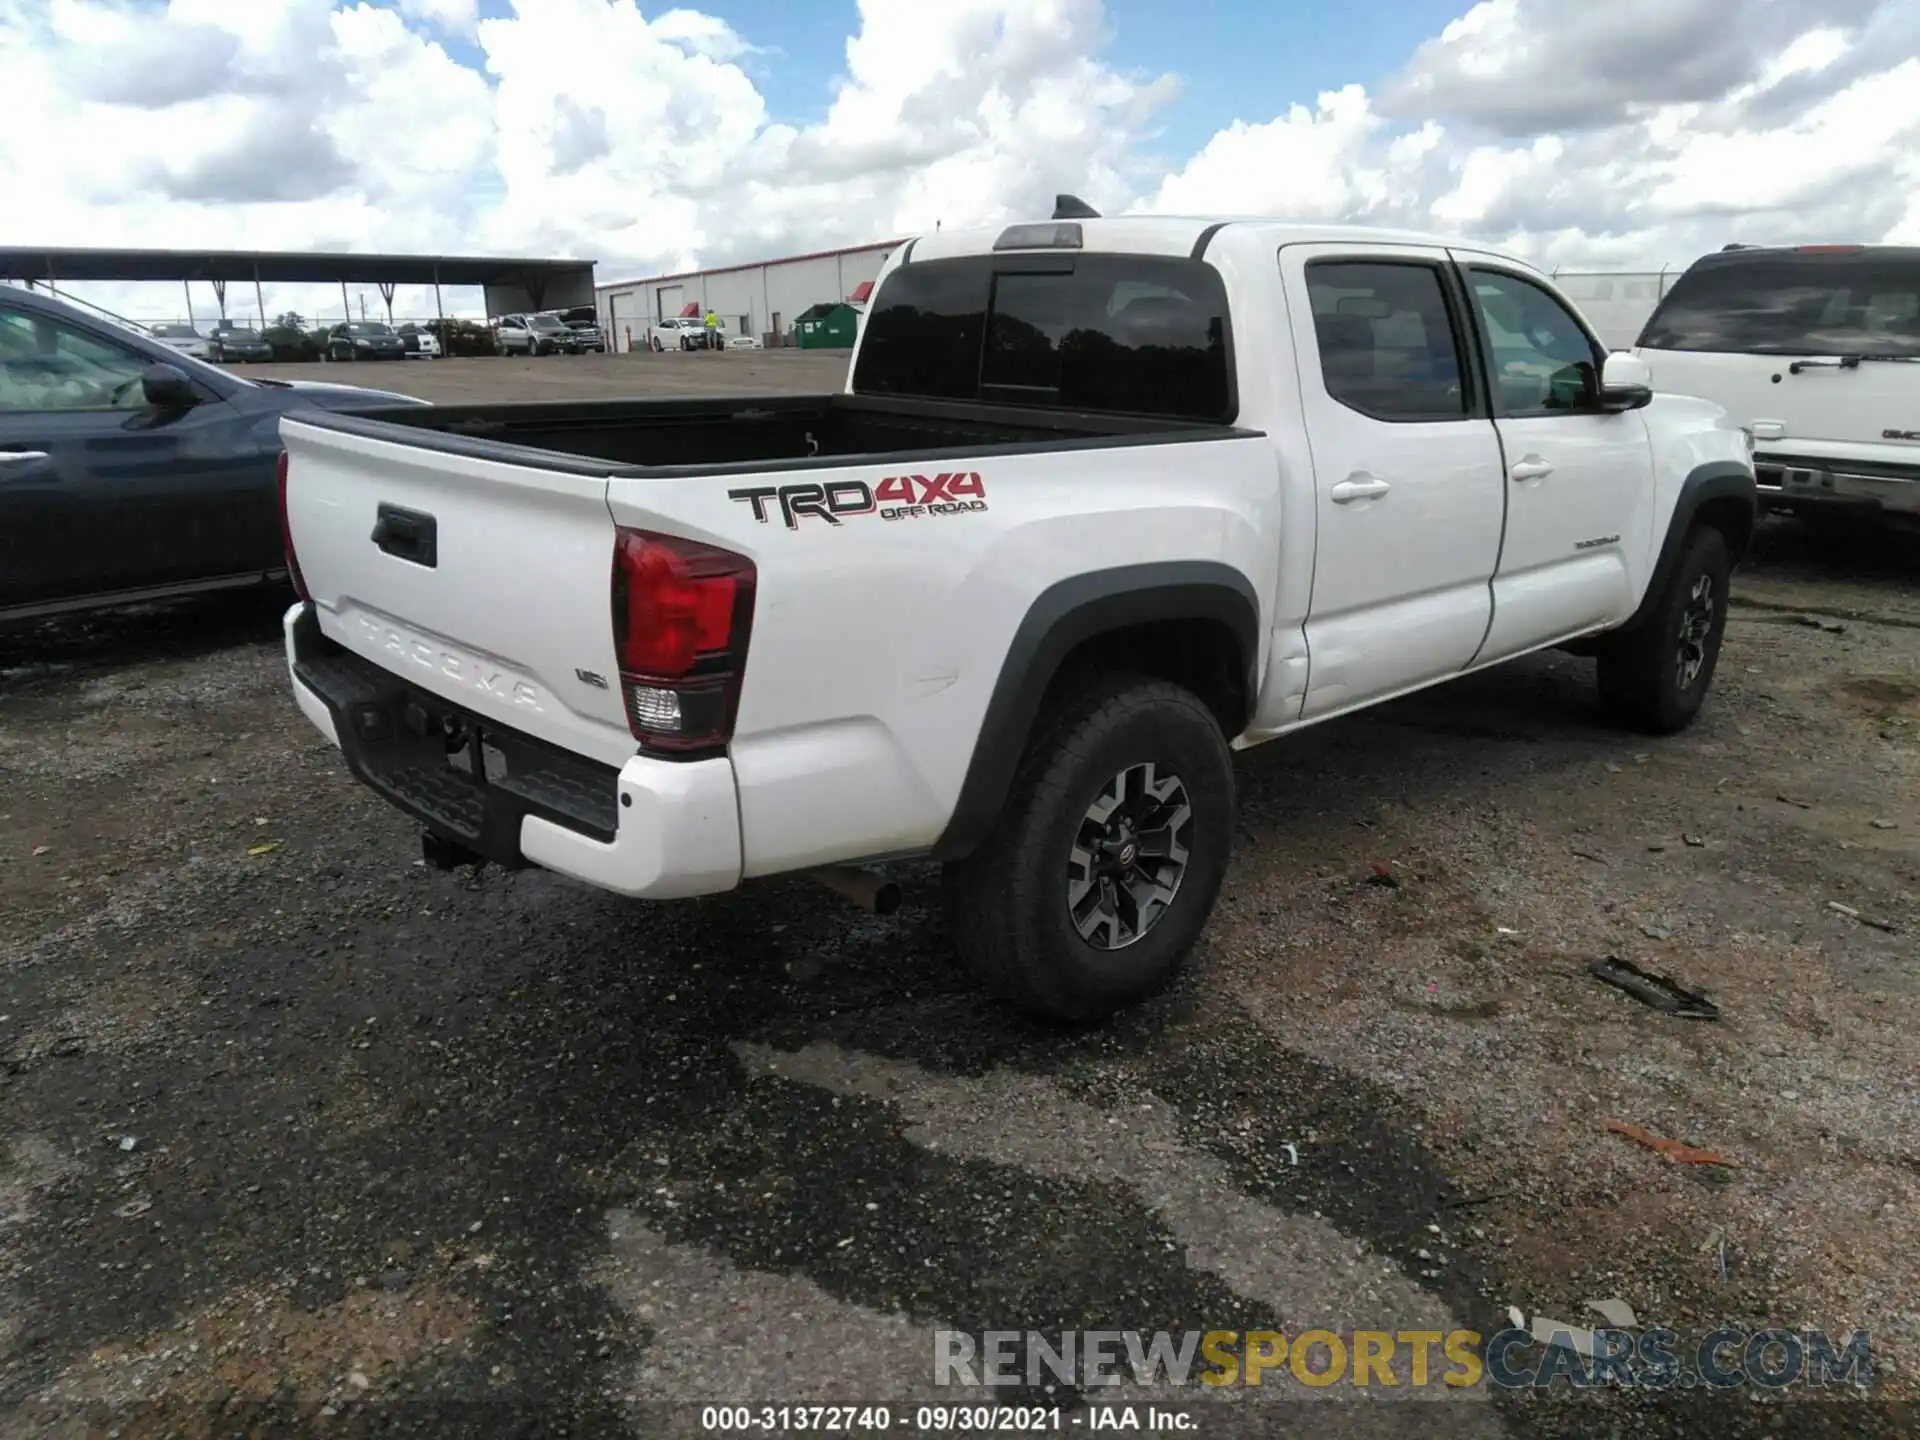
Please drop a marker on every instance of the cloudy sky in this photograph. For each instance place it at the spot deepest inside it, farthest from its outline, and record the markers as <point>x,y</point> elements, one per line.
<point>1618,135</point>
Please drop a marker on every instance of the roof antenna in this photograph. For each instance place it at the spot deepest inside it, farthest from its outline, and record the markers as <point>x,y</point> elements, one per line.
<point>1072,207</point>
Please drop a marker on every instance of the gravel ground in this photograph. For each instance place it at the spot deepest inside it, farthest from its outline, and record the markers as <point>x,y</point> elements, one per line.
<point>297,1133</point>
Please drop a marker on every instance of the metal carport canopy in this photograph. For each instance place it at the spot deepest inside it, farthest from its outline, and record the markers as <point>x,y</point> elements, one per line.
<point>282,267</point>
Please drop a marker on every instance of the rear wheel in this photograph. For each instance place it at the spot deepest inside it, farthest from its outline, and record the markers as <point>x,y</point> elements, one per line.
<point>1099,874</point>
<point>1657,677</point>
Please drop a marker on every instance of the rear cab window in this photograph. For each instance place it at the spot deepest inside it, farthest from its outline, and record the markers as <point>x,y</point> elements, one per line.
<point>1140,335</point>
<point>1814,301</point>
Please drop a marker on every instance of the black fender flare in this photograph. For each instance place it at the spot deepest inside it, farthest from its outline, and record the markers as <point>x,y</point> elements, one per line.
<point>1062,617</point>
<point>1715,480</point>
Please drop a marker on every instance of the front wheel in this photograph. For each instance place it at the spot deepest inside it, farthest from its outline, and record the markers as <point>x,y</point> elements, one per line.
<point>1656,678</point>
<point>1099,874</point>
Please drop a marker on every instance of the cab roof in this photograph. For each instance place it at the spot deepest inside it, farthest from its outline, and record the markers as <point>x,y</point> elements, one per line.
<point>1177,235</point>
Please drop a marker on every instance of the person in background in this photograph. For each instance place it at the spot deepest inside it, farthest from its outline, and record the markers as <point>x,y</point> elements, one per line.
<point>713,331</point>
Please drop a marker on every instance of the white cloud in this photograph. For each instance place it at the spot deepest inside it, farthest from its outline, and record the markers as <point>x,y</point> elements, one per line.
<point>1642,132</point>
<point>1814,138</point>
<point>1519,67</point>
<point>1319,164</point>
<point>701,34</point>
<point>455,16</point>
<point>1809,55</point>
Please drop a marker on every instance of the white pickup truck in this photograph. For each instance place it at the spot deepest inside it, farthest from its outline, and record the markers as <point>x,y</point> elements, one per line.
<point>1102,500</point>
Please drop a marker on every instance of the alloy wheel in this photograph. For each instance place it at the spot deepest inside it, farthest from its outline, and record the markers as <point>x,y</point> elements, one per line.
<point>1696,624</point>
<point>1129,856</point>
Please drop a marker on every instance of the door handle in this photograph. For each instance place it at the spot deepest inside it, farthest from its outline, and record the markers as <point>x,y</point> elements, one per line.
<point>20,457</point>
<point>410,535</point>
<point>1360,486</point>
<point>1531,468</point>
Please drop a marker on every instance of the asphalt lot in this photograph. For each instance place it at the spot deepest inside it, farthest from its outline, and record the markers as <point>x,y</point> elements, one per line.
<point>300,1134</point>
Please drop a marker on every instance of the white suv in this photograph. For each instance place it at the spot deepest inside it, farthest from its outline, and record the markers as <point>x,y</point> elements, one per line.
<point>1815,350</point>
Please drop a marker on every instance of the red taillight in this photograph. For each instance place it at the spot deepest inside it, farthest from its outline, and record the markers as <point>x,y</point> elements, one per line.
<point>681,613</point>
<point>286,537</point>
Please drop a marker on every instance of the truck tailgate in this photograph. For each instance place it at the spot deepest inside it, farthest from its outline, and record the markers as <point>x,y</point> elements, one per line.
<point>485,582</point>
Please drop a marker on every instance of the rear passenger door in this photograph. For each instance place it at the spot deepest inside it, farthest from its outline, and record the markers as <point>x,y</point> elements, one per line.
<point>1579,481</point>
<point>1407,472</point>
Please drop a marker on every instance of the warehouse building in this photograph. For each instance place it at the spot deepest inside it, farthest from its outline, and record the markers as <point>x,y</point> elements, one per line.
<point>762,299</point>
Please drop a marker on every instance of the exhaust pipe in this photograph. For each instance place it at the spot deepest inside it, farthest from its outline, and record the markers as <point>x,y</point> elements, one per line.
<point>869,891</point>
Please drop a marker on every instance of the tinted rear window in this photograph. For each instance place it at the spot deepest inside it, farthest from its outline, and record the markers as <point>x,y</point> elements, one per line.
<point>1794,303</point>
<point>1122,334</point>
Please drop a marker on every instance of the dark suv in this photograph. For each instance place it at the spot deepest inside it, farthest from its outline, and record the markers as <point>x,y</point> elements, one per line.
<point>584,322</point>
<point>237,343</point>
<point>364,340</point>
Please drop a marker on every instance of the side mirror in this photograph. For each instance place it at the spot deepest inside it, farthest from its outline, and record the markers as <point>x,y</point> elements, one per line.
<point>167,387</point>
<point>1626,383</point>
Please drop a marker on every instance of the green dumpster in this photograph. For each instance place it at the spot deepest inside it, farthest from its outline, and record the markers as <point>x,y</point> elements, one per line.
<point>830,326</point>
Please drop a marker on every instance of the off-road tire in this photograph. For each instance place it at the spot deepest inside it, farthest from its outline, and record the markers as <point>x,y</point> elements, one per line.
<point>1641,673</point>
<point>1007,902</point>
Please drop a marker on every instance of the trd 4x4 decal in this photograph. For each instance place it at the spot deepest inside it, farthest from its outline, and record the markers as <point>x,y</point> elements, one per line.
<point>898,497</point>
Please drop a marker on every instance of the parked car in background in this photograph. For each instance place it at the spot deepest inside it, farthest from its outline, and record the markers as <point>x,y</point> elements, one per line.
<point>744,342</point>
<point>183,338</point>
<point>679,332</point>
<point>584,322</point>
<point>1815,350</point>
<point>584,336</point>
<point>530,335</point>
<point>551,332</point>
<point>364,340</point>
<point>511,336</point>
<point>130,471</point>
<point>290,343</point>
<point>238,345</point>
<point>420,342</point>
